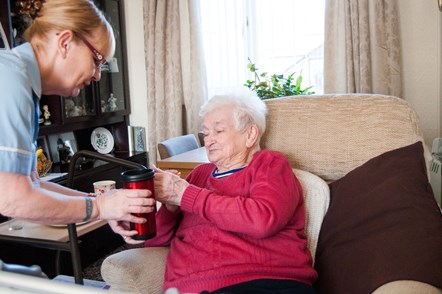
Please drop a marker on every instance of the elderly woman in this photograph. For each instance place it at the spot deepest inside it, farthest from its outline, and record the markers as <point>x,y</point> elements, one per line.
<point>67,43</point>
<point>236,224</point>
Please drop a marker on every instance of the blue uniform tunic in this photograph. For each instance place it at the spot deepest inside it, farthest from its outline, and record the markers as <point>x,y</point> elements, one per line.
<point>20,89</point>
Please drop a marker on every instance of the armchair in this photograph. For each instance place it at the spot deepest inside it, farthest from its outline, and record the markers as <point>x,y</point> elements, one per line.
<point>324,137</point>
<point>177,145</point>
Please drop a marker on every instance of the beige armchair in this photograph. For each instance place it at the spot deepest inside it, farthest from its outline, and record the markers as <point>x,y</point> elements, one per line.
<point>324,137</point>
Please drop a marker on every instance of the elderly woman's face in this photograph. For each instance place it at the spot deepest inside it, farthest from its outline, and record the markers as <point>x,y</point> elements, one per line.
<point>224,144</point>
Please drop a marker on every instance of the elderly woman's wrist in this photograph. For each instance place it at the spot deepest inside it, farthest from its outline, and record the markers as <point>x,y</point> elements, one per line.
<point>172,207</point>
<point>180,186</point>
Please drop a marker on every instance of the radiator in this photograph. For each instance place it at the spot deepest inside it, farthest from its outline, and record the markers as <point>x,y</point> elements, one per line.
<point>436,178</point>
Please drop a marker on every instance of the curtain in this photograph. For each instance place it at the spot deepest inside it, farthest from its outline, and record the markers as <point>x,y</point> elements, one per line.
<point>362,47</point>
<point>176,79</point>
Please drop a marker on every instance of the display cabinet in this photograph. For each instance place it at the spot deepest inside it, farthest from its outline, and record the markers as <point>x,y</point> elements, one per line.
<point>108,97</point>
<point>104,104</point>
<point>71,122</point>
<point>5,21</point>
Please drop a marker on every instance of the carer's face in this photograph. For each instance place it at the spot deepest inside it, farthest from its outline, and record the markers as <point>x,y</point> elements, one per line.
<point>224,144</point>
<point>79,62</point>
<point>87,69</point>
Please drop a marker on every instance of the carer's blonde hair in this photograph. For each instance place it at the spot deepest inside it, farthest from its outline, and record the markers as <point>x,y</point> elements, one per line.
<point>80,16</point>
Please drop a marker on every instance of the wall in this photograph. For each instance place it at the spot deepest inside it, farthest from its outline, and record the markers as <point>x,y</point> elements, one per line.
<point>136,62</point>
<point>421,33</point>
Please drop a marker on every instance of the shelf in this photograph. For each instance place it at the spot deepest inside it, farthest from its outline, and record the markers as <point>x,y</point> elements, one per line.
<point>74,126</point>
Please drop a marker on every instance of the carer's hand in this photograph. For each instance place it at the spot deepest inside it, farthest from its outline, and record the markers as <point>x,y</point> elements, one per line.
<point>169,187</point>
<point>123,228</point>
<point>120,204</point>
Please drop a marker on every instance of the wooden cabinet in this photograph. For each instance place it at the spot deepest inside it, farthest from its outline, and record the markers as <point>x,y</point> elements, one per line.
<point>105,103</point>
<point>5,20</point>
<point>102,104</point>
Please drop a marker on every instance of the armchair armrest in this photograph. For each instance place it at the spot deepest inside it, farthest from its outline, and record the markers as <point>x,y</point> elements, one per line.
<point>139,270</point>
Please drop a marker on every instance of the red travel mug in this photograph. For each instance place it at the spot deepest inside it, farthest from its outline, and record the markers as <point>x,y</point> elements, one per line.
<point>141,179</point>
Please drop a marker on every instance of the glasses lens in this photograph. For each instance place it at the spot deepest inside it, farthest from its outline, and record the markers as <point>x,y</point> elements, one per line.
<point>98,64</point>
<point>97,56</point>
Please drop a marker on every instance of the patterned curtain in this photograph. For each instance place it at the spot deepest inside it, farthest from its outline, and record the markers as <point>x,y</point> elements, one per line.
<point>362,47</point>
<point>176,79</point>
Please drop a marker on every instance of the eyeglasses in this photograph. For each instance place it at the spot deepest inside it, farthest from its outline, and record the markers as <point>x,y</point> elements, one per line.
<point>98,57</point>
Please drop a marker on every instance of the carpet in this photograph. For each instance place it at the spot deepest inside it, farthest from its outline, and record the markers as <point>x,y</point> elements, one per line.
<point>93,271</point>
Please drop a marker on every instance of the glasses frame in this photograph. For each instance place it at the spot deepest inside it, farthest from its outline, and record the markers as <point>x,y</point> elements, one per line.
<point>99,59</point>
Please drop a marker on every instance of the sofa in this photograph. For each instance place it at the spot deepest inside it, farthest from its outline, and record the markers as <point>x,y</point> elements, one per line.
<point>372,222</point>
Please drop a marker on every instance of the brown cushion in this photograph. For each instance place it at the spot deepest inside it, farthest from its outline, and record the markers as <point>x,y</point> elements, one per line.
<point>383,225</point>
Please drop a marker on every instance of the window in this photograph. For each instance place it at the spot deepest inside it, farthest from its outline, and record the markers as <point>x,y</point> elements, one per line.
<point>279,36</point>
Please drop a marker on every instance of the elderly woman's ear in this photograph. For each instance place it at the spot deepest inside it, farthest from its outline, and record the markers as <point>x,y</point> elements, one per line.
<point>252,136</point>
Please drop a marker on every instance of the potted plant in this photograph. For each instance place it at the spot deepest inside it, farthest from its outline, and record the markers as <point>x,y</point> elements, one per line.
<point>271,86</point>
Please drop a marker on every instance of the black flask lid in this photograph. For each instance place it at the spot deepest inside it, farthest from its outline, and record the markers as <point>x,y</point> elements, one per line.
<point>137,175</point>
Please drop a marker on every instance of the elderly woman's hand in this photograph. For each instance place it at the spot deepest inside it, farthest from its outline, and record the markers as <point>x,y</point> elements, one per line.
<point>123,228</point>
<point>169,188</point>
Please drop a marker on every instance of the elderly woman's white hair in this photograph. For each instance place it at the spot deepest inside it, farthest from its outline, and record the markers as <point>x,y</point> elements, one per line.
<point>248,109</point>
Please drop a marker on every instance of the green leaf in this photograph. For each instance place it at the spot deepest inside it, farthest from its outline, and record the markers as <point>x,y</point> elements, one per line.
<point>251,67</point>
<point>275,85</point>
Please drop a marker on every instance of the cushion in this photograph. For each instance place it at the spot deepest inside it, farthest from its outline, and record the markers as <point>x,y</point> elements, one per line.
<point>383,225</point>
<point>316,201</point>
<point>137,270</point>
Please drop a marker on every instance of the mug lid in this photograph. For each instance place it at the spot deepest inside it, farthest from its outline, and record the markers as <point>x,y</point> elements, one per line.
<point>136,175</point>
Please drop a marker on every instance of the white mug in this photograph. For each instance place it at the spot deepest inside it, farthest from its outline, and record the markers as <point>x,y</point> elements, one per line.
<point>102,187</point>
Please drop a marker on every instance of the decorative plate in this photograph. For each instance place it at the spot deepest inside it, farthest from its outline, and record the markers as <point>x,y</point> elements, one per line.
<point>102,140</point>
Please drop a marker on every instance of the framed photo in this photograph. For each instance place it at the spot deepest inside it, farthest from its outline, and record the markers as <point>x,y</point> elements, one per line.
<point>137,138</point>
<point>62,146</point>
<point>42,142</point>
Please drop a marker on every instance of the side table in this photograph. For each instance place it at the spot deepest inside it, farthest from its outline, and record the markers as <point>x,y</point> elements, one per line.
<point>184,162</point>
<point>46,236</point>
<point>66,238</point>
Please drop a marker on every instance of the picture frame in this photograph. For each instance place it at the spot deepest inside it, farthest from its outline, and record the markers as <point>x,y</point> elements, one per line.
<point>140,139</point>
<point>137,138</point>
<point>64,140</point>
<point>43,143</point>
